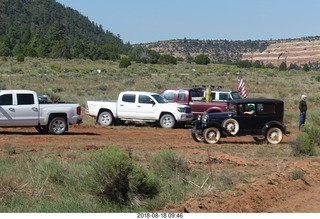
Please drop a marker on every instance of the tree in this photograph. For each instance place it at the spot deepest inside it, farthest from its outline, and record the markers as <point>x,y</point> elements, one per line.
<point>306,68</point>
<point>167,59</point>
<point>283,66</point>
<point>202,59</point>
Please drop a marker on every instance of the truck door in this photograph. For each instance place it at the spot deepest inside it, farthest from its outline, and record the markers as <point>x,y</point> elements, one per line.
<point>6,110</point>
<point>146,107</point>
<point>126,107</point>
<point>26,110</point>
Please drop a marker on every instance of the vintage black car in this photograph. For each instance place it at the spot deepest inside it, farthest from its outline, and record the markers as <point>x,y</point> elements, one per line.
<point>259,117</point>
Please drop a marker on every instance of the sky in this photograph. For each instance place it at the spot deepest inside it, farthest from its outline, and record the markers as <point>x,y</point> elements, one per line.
<point>146,21</point>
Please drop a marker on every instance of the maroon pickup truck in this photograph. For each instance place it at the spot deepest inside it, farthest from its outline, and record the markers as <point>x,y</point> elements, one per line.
<point>194,97</point>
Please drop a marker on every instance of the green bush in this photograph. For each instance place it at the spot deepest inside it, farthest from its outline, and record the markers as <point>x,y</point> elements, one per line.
<point>202,59</point>
<point>303,145</point>
<point>118,179</point>
<point>124,63</point>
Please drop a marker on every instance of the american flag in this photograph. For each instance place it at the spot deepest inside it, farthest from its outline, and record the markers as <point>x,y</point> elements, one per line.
<point>241,87</point>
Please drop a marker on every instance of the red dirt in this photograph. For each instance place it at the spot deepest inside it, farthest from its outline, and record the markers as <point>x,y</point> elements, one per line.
<point>270,188</point>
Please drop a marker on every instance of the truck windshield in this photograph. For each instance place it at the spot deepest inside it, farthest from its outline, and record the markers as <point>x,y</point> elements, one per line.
<point>236,95</point>
<point>159,98</point>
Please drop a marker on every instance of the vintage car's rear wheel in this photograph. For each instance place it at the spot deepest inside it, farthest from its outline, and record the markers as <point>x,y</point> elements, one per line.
<point>211,135</point>
<point>260,140</point>
<point>197,137</point>
<point>231,125</point>
<point>274,135</point>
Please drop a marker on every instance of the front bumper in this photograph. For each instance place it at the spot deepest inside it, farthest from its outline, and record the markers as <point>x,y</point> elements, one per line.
<point>185,117</point>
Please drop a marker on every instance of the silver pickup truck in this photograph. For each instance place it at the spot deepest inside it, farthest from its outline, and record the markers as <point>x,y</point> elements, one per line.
<point>22,108</point>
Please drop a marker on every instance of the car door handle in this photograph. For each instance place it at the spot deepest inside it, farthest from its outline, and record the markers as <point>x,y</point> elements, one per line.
<point>11,109</point>
<point>35,109</point>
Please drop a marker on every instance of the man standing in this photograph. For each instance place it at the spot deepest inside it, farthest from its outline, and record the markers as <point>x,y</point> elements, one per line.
<point>303,110</point>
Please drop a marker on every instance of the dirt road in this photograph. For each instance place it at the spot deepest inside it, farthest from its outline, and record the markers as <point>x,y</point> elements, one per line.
<point>270,189</point>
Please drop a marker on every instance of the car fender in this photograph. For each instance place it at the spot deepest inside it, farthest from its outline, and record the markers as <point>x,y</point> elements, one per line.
<point>274,124</point>
<point>219,126</point>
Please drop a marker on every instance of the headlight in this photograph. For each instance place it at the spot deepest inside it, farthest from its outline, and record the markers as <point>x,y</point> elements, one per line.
<point>205,118</point>
<point>181,109</point>
<point>199,117</point>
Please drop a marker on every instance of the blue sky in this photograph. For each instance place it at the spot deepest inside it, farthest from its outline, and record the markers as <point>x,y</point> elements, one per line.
<point>143,21</point>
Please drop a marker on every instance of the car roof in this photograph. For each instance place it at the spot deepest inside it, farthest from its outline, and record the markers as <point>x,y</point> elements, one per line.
<point>255,100</point>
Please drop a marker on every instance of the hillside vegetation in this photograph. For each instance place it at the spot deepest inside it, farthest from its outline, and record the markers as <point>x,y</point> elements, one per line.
<point>45,28</point>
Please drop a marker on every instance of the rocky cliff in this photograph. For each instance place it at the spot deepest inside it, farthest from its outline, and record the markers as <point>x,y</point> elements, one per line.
<point>291,52</point>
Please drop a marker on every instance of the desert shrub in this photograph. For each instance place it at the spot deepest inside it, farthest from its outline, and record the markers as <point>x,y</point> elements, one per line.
<point>297,174</point>
<point>119,179</point>
<point>303,145</point>
<point>167,164</point>
<point>124,63</point>
<point>20,58</point>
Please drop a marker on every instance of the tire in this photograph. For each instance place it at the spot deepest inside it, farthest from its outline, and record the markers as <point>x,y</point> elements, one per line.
<point>42,129</point>
<point>231,125</point>
<point>167,121</point>
<point>211,135</point>
<point>58,126</point>
<point>274,135</point>
<point>197,137</point>
<point>260,140</point>
<point>106,119</point>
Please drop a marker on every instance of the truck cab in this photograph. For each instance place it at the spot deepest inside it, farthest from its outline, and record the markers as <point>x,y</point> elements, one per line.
<point>18,108</point>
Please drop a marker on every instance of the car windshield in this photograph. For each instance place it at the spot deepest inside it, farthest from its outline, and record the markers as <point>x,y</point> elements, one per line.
<point>236,95</point>
<point>159,98</point>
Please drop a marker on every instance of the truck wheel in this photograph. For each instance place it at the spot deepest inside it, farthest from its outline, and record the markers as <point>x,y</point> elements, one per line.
<point>105,118</point>
<point>167,121</point>
<point>58,126</point>
<point>211,135</point>
<point>42,129</point>
<point>197,137</point>
<point>231,125</point>
<point>274,135</point>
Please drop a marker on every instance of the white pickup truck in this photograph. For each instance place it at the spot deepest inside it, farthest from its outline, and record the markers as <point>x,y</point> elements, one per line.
<point>139,106</point>
<point>21,108</point>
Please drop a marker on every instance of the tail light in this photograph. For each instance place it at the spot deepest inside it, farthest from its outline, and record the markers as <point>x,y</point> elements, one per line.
<point>79,110</point>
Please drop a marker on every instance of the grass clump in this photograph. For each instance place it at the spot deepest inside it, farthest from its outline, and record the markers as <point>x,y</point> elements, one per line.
<point>117,178</point>
<point>304,144</point>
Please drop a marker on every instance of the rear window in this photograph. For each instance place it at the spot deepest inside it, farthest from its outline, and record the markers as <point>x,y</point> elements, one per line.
<point>25,99</point>
<point>266,108</point>
<point>130,98</point>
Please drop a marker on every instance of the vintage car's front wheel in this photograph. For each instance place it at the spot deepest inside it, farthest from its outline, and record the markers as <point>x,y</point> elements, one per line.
<point>197,137</point>
<point>231,125</point>
<point>274,135</point>
<point>211,135</point>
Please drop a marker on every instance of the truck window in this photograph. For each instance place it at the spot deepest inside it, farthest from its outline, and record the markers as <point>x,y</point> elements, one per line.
<point>6,99</point>
<point>224,96</point>
<point>145,99</point>
<point>181,96</point>
<point>169,95</point>
<point>130,98</point>
<point>25,99</point>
